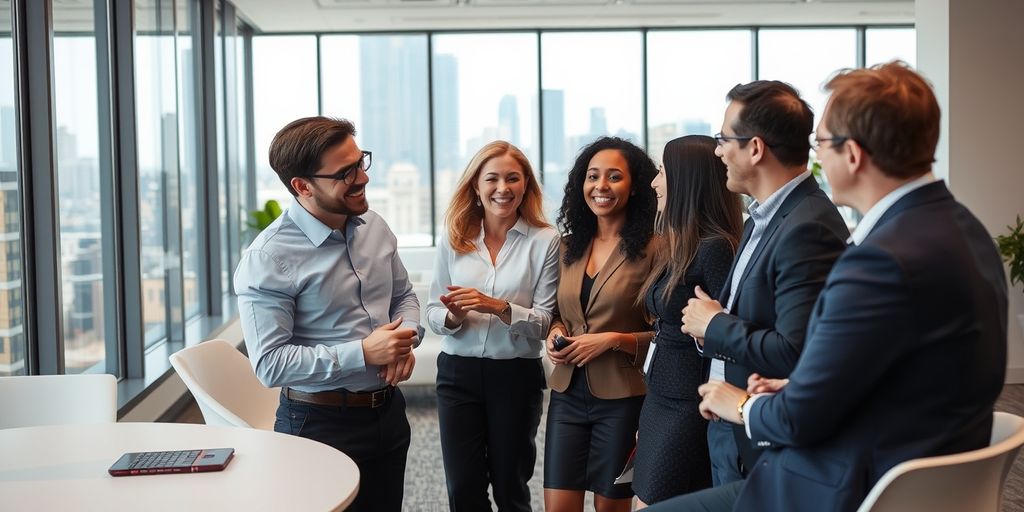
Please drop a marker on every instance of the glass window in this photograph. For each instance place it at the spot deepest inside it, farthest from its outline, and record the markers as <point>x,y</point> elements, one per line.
<point>78,154</point>
<point>188,158</point>
<point>885,44</point>
<point>593,86</point>
<point>284,89</point>
<point>485,89</point>
<point>806,58</point>
<point>689,73</point>
<point>380,84</point>
<point>157,135</point>
<point>12,321</point>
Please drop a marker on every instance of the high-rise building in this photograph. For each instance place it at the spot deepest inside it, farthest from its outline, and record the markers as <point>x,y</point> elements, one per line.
<point>508,119</point>
<point>447,156</point>
<point>598,122</point>
<point>554,128</point>
<point>8,153</point>
<point>394,103</point>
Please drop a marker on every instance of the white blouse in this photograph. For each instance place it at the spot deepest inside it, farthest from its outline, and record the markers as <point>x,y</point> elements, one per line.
<point>525,274</point>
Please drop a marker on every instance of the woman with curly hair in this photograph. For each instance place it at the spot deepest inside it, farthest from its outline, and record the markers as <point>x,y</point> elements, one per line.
<point>607,220</point>
<point>700,222</point>
<point>492,299</point>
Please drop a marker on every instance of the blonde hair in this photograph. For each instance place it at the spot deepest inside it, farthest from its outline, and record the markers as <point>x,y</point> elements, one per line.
<point>464,214</point>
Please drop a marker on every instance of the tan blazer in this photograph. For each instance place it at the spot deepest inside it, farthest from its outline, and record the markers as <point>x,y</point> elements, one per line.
<point>611,307</point>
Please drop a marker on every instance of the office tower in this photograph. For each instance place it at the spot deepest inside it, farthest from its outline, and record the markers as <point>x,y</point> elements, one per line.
<point>446,114</point>
<point>8,153</point>
<point>394,103</point>
<point>554,128</point>
<point>508,119</point>
<point>598,122</point>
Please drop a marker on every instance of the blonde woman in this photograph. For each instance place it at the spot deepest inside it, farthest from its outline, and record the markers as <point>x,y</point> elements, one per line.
<point>492,299</point>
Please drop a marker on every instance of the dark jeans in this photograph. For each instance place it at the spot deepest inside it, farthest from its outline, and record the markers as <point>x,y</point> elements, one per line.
<point>725,455</point>
<point>376,439</point>
<point>716,499</point>
<point>489,411</point>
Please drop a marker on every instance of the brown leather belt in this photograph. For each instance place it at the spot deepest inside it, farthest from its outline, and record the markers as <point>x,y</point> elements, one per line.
<point>371,399</point>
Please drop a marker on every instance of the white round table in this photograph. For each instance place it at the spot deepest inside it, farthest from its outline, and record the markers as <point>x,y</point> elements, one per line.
<point>64,467</point>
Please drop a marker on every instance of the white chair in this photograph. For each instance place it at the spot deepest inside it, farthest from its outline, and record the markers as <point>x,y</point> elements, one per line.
<point>33,400</point>
<point>963,481</point>
<point>225,387</point>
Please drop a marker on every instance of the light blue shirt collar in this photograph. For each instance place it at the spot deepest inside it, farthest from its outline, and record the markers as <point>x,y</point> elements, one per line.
<point>317,232</point>
<point>875,213</point>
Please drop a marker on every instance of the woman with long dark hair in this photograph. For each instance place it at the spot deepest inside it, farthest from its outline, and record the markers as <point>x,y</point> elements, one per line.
<point>492,299</point>
<point>701,224</point>
<point>607,220</point>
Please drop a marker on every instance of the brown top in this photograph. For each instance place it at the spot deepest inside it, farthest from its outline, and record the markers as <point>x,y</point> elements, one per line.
<point>611,308</point>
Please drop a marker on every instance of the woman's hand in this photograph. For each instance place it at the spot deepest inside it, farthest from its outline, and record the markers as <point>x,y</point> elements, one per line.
<point>556,357</point>
<point>470,299</point>
<point>586,347</point>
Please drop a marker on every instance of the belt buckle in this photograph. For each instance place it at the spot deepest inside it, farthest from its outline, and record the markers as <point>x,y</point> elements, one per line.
<point>378,398</point>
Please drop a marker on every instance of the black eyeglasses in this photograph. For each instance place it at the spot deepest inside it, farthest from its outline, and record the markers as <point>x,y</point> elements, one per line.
<point>835,140</point>
<point>722,139</point>
<point>348,174</point>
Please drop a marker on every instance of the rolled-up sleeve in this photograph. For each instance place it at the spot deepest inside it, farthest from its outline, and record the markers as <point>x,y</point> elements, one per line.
<point>266,304</point>
<point>534,322</point>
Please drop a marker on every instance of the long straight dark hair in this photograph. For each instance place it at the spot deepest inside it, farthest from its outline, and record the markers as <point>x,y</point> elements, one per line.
<point>699,207</point>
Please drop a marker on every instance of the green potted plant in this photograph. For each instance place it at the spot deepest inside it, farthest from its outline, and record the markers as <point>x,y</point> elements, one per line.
<point>1011,247</point>
<point>260,219</point>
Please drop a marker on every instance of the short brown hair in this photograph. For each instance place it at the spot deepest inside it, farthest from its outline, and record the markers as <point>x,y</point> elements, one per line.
<point>774,111</point>
<point>296,149</point>
<point>891,112</point>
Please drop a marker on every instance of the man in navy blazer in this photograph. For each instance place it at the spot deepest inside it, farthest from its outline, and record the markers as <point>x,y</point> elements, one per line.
<point>906,347</point>
<point>793,236</point>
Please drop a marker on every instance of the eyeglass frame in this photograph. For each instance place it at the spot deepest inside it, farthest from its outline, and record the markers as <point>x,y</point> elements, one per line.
<point>835,140</point>
<point>364,163</point>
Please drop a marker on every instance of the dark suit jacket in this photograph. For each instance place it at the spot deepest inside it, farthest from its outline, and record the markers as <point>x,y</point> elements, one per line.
<point>764,331</point>
<point>905,357</point>
<point>611,308</point>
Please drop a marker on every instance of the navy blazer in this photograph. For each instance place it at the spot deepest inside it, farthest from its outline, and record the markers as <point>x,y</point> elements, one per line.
<point>765,329</point>
<point>905,357</point>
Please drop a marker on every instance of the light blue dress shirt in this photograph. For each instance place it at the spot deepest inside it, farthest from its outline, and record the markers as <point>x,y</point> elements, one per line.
<point>762,215</point>
<point>525,274</point>
<point>308,295</point>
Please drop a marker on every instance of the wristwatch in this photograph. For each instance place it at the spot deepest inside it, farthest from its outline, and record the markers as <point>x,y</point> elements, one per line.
<point>739,407</point>
<point>506,309</point>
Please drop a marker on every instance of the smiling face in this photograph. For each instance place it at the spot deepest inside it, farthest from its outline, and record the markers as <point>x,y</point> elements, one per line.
<point>660,186</point>
<point>735,154</point>
<point>335,196</point>
<point>500,185</point>
<point>607,184</point>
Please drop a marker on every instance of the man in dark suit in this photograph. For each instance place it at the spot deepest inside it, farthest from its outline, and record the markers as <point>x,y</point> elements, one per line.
<point>792,238</point>
<point>906,348</point>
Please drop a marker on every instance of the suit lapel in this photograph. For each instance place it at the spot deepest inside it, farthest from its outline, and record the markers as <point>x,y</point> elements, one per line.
<point>614,261</point>
<point>935,191</point>
<point>748,228</point>
<point>798,194</point>
<point>572,277</point>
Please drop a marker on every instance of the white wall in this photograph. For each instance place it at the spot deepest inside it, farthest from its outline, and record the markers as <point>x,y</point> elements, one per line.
<point>973,52</point>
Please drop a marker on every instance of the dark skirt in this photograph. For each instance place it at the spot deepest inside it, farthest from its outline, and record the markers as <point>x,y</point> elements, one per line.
<point>672,449</point>
<point>589,439</point>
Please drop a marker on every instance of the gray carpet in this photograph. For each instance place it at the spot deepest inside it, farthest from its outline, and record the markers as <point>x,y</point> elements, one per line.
<point>424,476</point>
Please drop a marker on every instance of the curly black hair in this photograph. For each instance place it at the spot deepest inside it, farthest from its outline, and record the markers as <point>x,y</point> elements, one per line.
<point>578,223</point>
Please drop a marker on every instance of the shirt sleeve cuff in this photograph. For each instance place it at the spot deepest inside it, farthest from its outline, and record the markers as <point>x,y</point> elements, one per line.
<point>437,323</point>
<point>409,324</point>
<point>749,406</point>
<point>350,356</point>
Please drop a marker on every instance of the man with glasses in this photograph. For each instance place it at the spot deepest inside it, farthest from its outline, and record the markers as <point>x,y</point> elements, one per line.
<point>328,312</point>
<point>906,348</point>
<point>793,236</point>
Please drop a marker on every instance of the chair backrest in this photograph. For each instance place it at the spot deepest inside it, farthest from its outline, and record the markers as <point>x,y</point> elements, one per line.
<point>224,385</point>
<point>33,400</point>
<point>963,481</point>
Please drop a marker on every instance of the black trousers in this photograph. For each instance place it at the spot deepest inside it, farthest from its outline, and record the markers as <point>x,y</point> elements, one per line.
<point>489,411</point>
<point>376,439</point>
